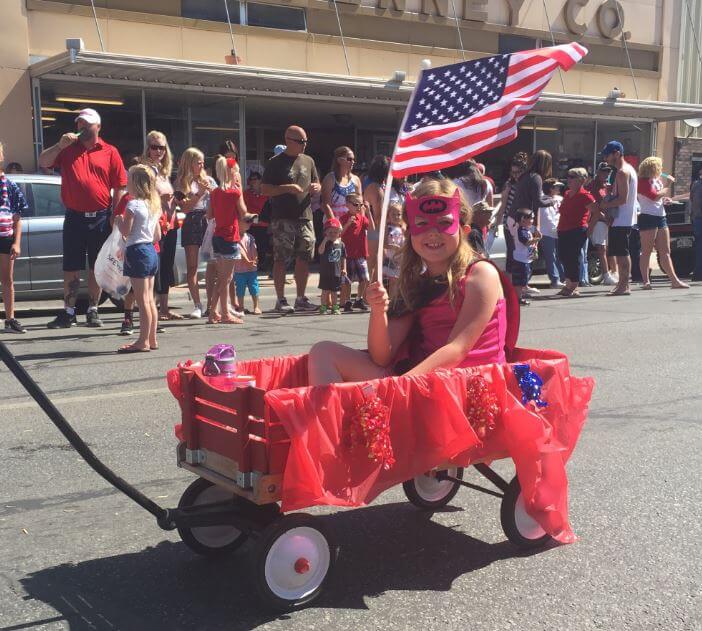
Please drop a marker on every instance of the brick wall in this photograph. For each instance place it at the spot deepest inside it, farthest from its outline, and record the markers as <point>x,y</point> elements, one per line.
<point>685,148</point>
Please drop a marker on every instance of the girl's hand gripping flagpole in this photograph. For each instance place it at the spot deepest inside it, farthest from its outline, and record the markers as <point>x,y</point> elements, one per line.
<point>388,184</point>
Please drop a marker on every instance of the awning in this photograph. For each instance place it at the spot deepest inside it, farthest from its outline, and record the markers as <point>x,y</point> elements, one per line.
<point>152,72</point>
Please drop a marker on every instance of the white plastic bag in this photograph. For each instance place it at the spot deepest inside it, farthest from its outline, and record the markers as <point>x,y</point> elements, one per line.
<point>109,266</point>
<point>206,251</point>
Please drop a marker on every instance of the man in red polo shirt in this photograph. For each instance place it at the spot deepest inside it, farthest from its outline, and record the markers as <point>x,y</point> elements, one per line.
<point>92,181</point>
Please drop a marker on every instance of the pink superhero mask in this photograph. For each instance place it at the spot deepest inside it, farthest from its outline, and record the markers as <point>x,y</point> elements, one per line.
<point>432,212</point>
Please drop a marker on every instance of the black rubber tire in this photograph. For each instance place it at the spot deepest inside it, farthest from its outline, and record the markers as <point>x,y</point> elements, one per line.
<point>594,269</point>
<point>683,262</point>
<point>266,596</point>
<point>414,496</point>
<point>508,520</point>
<point>190,535</point>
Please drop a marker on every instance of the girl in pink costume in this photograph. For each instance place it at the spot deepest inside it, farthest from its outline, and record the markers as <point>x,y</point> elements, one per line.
<point>450,309</point>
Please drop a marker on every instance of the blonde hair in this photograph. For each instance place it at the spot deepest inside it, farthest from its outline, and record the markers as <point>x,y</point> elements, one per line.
<point>224,173</point>
<point>166,165</point>
<point>186,164</point>
<point>410,286</point>
<point>651,167</point>
<point>142,182</point>
<point>578,172</point>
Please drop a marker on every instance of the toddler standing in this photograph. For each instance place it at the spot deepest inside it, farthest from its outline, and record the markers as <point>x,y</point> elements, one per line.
<point>524,251</point>
<point>246,268</point>
<point>332,266</point>
<point>356,223</point>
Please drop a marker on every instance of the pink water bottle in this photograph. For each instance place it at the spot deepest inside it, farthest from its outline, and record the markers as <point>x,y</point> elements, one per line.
<point>220,367</point>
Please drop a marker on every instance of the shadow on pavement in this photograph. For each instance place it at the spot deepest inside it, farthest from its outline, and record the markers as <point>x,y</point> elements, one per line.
<point>383,548</point>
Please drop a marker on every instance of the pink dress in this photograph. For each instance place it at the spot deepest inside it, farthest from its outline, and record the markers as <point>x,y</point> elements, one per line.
<point>434,322</point>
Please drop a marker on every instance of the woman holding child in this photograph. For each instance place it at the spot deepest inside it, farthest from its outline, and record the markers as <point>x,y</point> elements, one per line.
<point>339,183</point>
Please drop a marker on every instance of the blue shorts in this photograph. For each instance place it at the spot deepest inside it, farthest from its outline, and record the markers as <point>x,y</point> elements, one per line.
<point>140,260</point>
<point>521,272</point>
<point>224,249</point>
<point>246,280</point>
<point>652,222</point>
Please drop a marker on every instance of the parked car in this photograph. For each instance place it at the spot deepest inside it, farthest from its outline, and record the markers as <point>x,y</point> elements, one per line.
<point>39,268</point>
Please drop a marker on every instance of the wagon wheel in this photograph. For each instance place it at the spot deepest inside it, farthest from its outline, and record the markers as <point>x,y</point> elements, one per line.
<point>428,492</point>
<point>209,540</point>
<point>292,561</point>
<point>521,529</point>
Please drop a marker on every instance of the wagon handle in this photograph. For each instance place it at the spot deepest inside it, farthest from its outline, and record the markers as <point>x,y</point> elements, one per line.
<point>161,514</point>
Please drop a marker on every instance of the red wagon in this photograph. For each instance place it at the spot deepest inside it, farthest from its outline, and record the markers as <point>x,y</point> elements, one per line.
<point>279,447</point>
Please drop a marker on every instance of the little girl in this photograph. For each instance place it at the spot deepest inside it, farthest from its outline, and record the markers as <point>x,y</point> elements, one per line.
<point>246,268</point>
<point>450,310</point>
<point>392,251</point>
<point>332,266</point>
<point>226,208</point>
<point>139,225</point>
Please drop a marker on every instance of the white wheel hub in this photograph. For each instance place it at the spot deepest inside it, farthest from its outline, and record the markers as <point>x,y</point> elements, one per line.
<point>215,536</point>
<point>527,526</point>
<point>431,489</point>
<point>297,563</point>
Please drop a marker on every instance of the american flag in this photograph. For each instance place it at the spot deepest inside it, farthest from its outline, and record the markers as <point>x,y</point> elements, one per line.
<point>463,109</point>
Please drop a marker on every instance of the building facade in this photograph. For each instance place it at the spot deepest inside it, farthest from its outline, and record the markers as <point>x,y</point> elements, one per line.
<point>344,70</point>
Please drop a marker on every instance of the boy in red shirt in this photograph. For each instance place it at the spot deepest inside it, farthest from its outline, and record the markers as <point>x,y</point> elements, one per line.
<point>356,223</point>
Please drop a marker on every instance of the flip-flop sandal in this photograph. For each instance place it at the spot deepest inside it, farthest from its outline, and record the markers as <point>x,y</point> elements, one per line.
<point>175,316</point>
<point>680,287</point>
<point>619,293</point>
<point>231,321</point>
<point>647,286</point>
<point>153,348</point>
<point>132,349</point>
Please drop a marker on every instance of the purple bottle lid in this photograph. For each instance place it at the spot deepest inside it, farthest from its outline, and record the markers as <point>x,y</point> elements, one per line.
<point>220,359</point>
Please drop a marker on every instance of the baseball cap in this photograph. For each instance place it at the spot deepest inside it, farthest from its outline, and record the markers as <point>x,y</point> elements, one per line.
<point>333,222</point>
<point>89,115</point>
<point>612,146</point>
<point>278,149</point>
<point>603,166</point>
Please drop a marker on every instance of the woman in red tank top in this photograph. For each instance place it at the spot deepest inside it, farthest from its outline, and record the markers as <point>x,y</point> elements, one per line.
<point>449,310</point>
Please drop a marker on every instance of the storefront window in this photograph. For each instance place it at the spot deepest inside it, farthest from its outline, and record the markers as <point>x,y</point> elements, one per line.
<point>119,109</point>
<point>636,138</point>
<point>167,112</point>
<point>214,120</point>
<point>570,141</point>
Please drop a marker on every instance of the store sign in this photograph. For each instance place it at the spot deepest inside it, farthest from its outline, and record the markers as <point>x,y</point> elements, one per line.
<point>609,17</point>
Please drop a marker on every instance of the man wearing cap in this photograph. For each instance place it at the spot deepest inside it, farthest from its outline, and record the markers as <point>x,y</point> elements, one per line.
<point>289,180</point>
<point>621,209</point>
<point>92,181</point>
<point>599,188</point>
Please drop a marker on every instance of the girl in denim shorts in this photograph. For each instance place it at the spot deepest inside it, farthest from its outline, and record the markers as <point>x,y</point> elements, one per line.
<point>226,208</point>
<point>139,226</point>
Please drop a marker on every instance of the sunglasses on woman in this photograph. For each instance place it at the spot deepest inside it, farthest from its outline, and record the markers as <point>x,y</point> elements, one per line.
<point>157,147</point>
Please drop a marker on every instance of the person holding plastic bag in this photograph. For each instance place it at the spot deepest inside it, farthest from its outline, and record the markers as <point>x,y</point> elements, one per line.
<point>140,227</point>
<point>109,264</point>
<point>226,209</point>
<point>450,310</point>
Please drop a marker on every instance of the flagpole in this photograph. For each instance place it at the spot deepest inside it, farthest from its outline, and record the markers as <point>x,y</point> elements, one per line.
<point>389,178</point>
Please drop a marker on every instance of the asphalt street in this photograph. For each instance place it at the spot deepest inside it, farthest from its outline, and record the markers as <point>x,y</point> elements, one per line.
<point>76,554</point>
